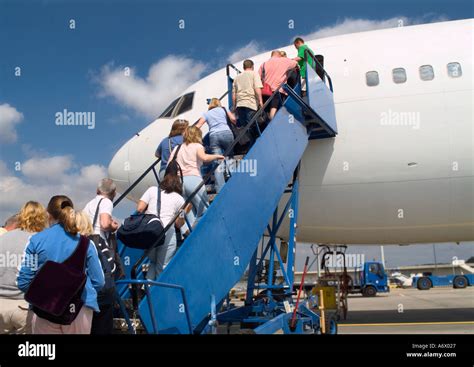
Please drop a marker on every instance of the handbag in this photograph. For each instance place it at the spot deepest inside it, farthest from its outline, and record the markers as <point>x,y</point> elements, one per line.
<point>55,291</point>
<point>173,167</point>
<point>236,130</point>
<point>142,231</point>
<point>266,90</point>
<point>109,260</point>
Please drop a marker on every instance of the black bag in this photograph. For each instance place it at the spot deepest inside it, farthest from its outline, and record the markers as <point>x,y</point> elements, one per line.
<point>109,260</point>
<point>141,231</point>
<point>173,167</point>
<point>236,130</point>
<point>55,291</point>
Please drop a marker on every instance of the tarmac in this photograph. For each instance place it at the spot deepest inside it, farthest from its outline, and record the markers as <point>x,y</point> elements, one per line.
<point>411,311</point>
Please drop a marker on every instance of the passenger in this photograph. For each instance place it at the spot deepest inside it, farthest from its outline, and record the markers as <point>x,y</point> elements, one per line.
<point>102,203</point>
<point>274,72</point>
<point>99,211</point>
<point>167,144</point>
<point>293,74</point>
<point>10,224</point>
<point>57,243</point>
<point>246,94</point>
<point>220,135</point>
<point>84,224</point>
<point>190,157</point>
<point>14,315</point>
<point>301,47</point>
<point>171,202</point>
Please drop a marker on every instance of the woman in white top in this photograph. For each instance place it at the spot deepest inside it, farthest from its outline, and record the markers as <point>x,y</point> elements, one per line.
<point>171,202</point>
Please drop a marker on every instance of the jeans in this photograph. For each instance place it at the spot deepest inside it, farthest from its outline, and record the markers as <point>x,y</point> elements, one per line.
<point>162,255</point>
<point>219,142</point>
<point>200,201</point>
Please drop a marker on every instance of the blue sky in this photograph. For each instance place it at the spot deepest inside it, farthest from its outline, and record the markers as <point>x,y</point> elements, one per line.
<point>76,69</point>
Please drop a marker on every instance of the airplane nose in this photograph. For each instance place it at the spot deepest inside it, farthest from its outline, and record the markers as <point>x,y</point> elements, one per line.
<point>118,168</point>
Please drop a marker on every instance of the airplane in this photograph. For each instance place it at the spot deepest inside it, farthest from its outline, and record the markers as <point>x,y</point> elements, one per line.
<point>400,170</point>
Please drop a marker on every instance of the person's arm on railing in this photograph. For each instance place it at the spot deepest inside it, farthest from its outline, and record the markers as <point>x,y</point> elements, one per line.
<point>200,122</point>
<point>231,117</point>
<point>206,158</point>
<point>234,98</point>
<point>258,93</point>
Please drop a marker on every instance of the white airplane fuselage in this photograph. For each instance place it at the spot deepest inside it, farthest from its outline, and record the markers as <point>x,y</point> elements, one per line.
<point>400,170</point>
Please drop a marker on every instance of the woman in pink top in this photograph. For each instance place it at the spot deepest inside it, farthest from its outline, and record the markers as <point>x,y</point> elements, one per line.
<point>190,157</point>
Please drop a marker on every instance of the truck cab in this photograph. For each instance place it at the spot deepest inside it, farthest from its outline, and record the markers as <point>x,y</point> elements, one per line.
<point>371,279</point>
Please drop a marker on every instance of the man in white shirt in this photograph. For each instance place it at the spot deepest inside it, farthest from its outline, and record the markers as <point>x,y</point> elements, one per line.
<point>100,208</point>
<point>105,224</point>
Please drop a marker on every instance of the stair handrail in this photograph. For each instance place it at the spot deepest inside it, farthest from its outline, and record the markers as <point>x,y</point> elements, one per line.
<point>308,53</point>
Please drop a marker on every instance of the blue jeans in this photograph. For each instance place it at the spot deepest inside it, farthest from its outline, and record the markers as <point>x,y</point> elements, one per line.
<point>199,201</point>
<point>162,255</point>
<point>219,142</point>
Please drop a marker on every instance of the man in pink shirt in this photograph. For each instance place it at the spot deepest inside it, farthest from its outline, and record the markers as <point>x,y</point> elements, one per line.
<point>274,72</point>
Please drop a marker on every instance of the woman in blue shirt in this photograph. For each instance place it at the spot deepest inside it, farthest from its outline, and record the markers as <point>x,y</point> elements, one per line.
<point>57,243</point>
<point>220,135</point>
<point>167,144</point>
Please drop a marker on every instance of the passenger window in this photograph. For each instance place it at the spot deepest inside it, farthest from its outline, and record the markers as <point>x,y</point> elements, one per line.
<point>454,69</point>
<point>372,78</point>
<point>399,75</point>
<point>169,110</point>
<point>426,72</point>
<point>185,104</point>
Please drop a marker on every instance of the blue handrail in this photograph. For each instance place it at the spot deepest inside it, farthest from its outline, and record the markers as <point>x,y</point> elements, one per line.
<point>148,283</point>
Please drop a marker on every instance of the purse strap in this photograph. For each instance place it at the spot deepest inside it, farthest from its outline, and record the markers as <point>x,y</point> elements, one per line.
<point>158,201</point>
<point>77,260</point>
<point>263,72</point>
<point>96,215</point>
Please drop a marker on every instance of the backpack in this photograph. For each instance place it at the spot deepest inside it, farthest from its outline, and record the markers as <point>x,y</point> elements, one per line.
<point>108,260</point>
<point>142,231</point>
<point>173,167</point>
<point>55,291</point>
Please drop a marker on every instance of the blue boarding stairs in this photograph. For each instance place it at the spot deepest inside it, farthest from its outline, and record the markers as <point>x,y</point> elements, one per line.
<point>238,233</point>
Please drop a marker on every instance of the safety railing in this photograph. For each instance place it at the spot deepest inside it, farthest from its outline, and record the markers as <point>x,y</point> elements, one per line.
<point>147,284</point>
<point>309,55</point>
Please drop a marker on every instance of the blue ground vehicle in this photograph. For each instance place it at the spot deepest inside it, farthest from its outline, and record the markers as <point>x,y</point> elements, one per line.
<point>428,280</point>
<point>369,279</point>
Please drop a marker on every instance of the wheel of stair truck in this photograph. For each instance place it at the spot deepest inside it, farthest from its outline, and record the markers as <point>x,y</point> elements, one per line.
<point>424,283</point>
<point>460,282</point>
<point>369,291</point>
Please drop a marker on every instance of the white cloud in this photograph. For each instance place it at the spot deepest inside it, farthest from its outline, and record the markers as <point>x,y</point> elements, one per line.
<point>149,96</point>
<point>9,118</point>
<point>352,25</point>
<point>41,178</point>
<point>250,49</point>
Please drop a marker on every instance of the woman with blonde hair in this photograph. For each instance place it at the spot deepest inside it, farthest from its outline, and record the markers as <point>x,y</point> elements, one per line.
<point>190,156</point>
<point>220,135</point>
<point>14,316</point>
<point>58,243</point>
<point>83,223</point>
<point>167,145</point>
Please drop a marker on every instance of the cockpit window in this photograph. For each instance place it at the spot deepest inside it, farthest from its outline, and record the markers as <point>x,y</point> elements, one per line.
<point>185,104</point>
<point>179,105</point>
<point>169,110</point>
